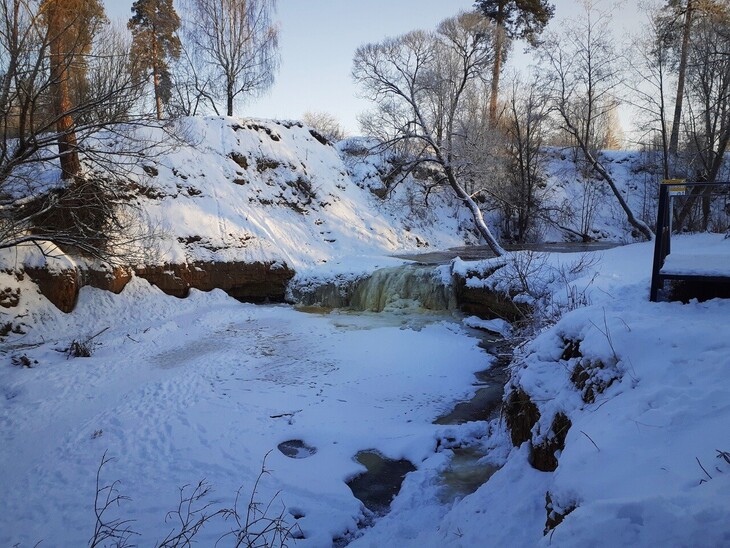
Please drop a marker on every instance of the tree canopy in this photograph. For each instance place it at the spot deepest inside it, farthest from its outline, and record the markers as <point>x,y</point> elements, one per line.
<point>154,26</point>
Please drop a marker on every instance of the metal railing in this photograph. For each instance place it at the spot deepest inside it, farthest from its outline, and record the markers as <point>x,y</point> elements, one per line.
<point>697,201</point>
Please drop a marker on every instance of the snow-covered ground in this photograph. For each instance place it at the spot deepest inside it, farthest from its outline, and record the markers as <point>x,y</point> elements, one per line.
<point>177,391</point>
<point>203,388</point>
<point>181,390</point>
<point>645,464</point>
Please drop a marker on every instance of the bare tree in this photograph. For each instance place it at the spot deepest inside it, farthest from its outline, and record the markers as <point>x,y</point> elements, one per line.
<point>109,74</point>
<point>238,41</point>
<point>708,105</point>
<point>192,90</point>
<point>525,121</point>
<point>584,67</point>
<point>687,11</point>
<point>326,124</point>
<point>420,82</point>
<point>650,67</point>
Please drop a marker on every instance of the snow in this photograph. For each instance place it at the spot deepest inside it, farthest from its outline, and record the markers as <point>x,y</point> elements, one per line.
<point>634,458</point>
<point>179,390</point>
<point>260,190</point>
<point>497,325</point>
<point>699,255</point>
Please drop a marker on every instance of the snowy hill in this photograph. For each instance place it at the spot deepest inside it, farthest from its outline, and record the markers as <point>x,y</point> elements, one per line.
<point>620,404</point>
<point>263,191</point>
<point>243,205</point>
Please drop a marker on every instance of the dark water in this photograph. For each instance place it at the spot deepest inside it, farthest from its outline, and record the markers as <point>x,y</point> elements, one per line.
<point>479,252</point>
<point>296,449</point>
<point>377,487</point>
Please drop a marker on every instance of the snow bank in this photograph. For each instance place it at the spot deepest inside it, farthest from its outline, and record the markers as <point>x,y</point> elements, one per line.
<point>646,459</point>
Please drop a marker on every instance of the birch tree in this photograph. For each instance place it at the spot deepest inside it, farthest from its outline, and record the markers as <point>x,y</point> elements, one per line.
<point>238,41</point>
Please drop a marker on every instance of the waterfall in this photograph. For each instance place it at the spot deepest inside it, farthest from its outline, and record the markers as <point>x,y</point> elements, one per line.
<point>404,288</point>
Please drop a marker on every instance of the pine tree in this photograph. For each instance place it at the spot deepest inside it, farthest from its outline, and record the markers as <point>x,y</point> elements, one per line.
<point>521,19</point>
<point>154,25</point>
<point>70,27</point>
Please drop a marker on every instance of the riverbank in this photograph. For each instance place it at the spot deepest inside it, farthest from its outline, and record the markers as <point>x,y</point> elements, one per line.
<point>627,428</point>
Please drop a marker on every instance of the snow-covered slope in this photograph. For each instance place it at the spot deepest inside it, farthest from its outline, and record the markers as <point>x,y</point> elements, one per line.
<point>203,387</point>
<point>255,190</point>
<point>646,390</point>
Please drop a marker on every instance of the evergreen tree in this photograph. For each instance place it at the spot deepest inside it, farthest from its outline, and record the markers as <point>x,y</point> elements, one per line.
<point>523,19</point>
<point>154,25</point>
<point>70,26</point>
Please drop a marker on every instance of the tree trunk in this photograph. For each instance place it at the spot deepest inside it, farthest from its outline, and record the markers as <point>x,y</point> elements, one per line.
<point>496,71</point>
<point>674,138</point>
<point>229,100</point>
<point>59,65</point>
<point>156,77</point>
<point>476,213</point>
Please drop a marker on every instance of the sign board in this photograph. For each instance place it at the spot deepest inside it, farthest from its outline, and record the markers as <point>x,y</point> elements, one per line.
<point>675,187</point>
<point>677,190</point>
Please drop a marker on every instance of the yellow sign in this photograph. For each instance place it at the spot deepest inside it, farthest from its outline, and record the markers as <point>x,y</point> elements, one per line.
<point>677,190</point>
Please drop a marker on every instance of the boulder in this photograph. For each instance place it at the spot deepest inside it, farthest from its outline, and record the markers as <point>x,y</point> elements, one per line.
<point>112,279</point>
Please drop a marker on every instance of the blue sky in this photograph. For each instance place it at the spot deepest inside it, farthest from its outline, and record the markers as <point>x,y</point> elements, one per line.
<point>319,38</point>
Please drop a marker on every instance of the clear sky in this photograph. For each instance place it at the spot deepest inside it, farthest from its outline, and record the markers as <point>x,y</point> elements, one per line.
<point>318,41</point>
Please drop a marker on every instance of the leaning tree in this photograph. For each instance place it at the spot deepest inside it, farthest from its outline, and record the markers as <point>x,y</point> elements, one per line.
<point>584,68</point>
<point>421,83</point>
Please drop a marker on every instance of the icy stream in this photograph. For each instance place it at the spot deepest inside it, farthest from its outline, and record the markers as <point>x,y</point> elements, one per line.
<point>206,387</point>
<point>411,297</point>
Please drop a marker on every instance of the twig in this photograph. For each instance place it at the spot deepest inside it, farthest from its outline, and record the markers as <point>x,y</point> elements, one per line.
<point>591,440</point>
<point>703,468</point>
<point>95,336</point>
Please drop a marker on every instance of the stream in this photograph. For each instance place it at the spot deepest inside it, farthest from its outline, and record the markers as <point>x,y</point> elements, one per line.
<point>412,296</point>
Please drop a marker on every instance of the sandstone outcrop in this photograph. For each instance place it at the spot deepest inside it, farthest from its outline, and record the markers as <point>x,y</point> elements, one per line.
<point>251,282</point>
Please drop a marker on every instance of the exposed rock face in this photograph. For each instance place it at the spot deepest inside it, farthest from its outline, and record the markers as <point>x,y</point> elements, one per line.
<point>252,282</point>
<point>521,415</point>
<point>542,455</point>
<point>487,304</point>
<point>60,287</point>
<point>112,279</point>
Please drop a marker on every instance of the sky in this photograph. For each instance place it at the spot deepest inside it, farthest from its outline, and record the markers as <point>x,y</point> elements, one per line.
<point>319,38</point>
